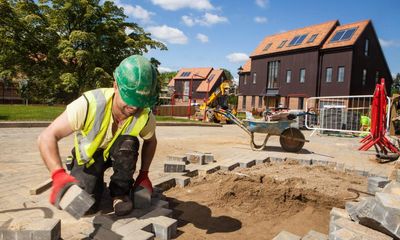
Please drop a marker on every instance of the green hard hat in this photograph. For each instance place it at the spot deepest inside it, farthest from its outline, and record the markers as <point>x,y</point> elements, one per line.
<point>137,81</point>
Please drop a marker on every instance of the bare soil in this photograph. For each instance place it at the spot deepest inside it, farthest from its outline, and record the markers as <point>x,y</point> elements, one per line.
<point>259,202</point>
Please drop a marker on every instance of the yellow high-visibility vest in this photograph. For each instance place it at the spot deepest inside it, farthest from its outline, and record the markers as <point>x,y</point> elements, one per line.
<point>98,118</point>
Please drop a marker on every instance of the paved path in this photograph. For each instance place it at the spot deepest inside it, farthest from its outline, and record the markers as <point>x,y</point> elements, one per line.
<point>21,167</point>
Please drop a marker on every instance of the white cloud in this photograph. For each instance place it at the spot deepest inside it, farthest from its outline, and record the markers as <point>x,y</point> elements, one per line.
<point>237,57</point>
<point>188,21</point>
<point>389,43</point>
<point>207,20</point>
<point>202,38</point>
<point>168,34</point>
<point>260,19</point>
<point>178,4</point>
<point>262,3</point>
<point>136,12</point>
<point>164,69</point>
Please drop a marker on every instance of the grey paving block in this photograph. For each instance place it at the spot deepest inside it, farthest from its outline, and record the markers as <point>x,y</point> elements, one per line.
<point>107,222</point>
<point>305,162</point>
<point>104,234</point>
<point>48,228</point>
<point>392,187</point>
<point>174,166</point>
<point>177,158</point>
<point>141,198</point>
<point>344,234</point>
<point>208,169</point>
<point>182,181</point>
<point>133,226</point>
<point>276,160</point>
<point>159,203</point>
<point>360,230</point>
<point>340,167</point>
<point>247,163</point>
<point>164,227</point>
<point>208,157</point>
<point>196,157</point>
<point>337,213</point>
<point>319,162</point>
<point>314,235</point>
<point>158,212</point>
<point>390,202</point>
<point>76,201</point>
<point>284,235</point>
<point>229,166</point>
<point>261,160</point>
<point>351,208</point>
<point>378,181</point>
<point>139,235</point>
<point>164,183</point>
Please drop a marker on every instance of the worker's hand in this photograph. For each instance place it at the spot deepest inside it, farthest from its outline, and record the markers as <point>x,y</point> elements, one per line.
<point>60,180</point>
<point>144,181</point>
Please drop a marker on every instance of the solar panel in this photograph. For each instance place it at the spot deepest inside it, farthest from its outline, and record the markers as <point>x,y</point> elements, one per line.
<point>348,34</point>
<point>338,36</point>
<point>301,39</point>
<point>294,40</point>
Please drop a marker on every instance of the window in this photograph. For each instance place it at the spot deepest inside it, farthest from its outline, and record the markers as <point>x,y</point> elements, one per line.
<point>328,77</point>
<point>253,101</point>
<point>302,75</point>
<point>343,35</point>
<point>297,40</point>
<point>312,38</point>
<point>282,44</point>
<point>364,77</point>
<point>260,102</point>
<point>272,78</point>
<point>377,77</point>
<point>254,78</point>
<point>267,46</point>
<point>340,77</point>
<point>366,47</point>
<point>245,79</point>
<point>301,103</point>
<point>288,76</point>
<point>244,103</point>
<point>186,91</point>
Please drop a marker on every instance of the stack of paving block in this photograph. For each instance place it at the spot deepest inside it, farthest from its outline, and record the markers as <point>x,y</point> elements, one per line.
<point>200,158</point>
<point>175,163</point>
<point>376,184</point>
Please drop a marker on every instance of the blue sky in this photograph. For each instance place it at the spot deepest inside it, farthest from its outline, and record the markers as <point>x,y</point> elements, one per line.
<point>222,33</point>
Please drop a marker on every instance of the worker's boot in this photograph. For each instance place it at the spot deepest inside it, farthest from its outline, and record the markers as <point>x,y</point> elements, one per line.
<point>122,205</point>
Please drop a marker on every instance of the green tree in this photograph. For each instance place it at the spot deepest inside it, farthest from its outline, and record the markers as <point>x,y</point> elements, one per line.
<point>227,74</point>
<point>396,84</point>
<point>62,48</point>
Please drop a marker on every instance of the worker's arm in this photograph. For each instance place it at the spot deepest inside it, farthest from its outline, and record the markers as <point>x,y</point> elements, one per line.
<point>48,141</point>
<point>148,151</point>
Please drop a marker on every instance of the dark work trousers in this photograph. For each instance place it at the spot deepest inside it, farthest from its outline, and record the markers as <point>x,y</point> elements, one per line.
<point>122,158</point>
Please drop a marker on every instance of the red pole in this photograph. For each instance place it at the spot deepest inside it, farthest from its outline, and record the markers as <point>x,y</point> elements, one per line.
<point>190,97</point>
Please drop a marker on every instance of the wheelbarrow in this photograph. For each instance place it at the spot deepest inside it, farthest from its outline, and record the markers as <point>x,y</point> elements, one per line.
<point>290,138</point>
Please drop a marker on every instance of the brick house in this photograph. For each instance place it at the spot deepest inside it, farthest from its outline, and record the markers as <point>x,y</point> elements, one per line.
<point>326,59</point>
<point>202,81</point>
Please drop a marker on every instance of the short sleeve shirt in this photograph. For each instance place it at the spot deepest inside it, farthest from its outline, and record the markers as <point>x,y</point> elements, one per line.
<point>76,112</point>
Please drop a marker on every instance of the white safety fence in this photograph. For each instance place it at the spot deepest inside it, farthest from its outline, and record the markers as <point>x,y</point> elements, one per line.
<point>339,113</point>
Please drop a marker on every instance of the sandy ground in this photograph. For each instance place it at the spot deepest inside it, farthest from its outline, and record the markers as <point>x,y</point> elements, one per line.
<point>221,206</point>
<point>260,202</point>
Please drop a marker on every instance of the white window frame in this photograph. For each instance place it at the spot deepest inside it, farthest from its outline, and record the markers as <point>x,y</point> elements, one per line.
<point>288,76</point>
<point>328,77</point>
<point>364,77</point>
<point>302,76</point>
<point>254,78</point>
<point>366,47</point>
<point>340,77</point>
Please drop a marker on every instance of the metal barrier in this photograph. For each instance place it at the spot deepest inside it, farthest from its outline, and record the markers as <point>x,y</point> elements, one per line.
<point>339,113</point>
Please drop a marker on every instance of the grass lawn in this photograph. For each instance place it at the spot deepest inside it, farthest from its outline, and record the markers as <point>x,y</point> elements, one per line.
<point>48,113</point>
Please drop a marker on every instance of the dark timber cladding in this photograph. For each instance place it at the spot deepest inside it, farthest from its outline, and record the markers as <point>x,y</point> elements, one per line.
<point>336,60</point>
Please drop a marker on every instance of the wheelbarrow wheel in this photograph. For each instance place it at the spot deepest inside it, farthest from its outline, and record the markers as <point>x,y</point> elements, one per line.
<point>291,145</point>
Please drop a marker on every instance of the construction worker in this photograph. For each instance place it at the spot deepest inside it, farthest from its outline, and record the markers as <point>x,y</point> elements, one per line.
<point>107,123</point>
